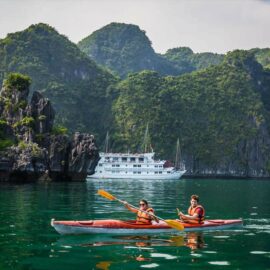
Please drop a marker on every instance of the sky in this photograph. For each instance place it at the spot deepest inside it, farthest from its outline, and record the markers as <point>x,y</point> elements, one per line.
<point>203,25</point>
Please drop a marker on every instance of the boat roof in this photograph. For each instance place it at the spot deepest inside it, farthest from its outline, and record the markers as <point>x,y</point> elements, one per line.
<point>151,154</point>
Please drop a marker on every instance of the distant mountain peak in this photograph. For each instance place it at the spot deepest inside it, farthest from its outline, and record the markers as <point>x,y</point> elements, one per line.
<point>124,48</point>
<point>39,29</point>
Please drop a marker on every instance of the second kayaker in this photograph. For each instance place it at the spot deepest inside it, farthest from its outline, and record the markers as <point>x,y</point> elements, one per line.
<point>144,215</point>
<point>196,212</point>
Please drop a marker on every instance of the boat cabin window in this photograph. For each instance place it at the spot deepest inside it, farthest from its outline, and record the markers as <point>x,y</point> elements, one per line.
<point>141,159</point>
<point>115,159</point>
<point>124,159</point>
<point>100,165</point>
<point>132,159</point>
<point>107,158</point>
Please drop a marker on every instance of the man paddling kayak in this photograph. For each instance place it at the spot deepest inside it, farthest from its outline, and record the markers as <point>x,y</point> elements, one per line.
<point>142,216</point>
<point>196,212</point>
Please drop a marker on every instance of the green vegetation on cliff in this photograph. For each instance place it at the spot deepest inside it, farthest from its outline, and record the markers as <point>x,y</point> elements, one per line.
<point>5,141</point>
<point>262,56</point>
<point>17,81</point>
<point>185,60</point>
<point>77,87</point>
<point>212,111</point>
<point>124,48</point>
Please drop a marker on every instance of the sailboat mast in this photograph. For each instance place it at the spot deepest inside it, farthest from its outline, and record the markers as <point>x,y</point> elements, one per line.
<point>177,155</point>
<point>107,143</point>
<point>146,139</point>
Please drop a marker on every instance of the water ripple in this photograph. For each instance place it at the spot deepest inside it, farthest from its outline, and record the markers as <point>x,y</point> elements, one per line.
<point>219,263</point>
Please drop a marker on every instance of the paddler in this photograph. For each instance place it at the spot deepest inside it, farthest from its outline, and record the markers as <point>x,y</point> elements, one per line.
<point>145,214</point>
<point>196,212</point>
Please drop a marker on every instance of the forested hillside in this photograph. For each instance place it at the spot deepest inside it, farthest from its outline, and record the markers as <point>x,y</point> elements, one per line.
<point>220,114</point>
<point>185,60</point>
<point>124,48</point>
<point>77,87</point>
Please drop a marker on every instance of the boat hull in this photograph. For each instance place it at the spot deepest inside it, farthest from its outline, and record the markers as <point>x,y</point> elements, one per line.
<point>173,176</point>
<point>111,226</point>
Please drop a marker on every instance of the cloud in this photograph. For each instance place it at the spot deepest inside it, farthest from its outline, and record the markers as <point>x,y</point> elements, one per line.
<point>265,1</point>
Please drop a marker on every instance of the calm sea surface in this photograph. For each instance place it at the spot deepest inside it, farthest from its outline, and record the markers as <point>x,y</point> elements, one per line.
<point>27,241</point>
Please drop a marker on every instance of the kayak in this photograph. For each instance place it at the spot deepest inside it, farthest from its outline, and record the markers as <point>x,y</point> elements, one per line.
<point>113,226</point>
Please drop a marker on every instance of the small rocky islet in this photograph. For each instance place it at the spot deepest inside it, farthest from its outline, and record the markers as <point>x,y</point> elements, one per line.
<point>32,148</point>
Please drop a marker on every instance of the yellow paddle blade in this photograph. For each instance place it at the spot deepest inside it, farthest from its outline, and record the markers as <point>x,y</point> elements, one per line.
<point>106,194</point>
<point>175,224</point>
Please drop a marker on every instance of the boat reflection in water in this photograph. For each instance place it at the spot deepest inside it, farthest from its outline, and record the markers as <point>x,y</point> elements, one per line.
<point>193,240</point>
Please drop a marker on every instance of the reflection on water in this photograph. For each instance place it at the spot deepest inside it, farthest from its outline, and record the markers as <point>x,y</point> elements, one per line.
<point>104,265</point>
<point>192,240</point>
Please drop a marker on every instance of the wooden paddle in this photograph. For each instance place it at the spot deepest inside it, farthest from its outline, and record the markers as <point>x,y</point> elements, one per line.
<point>172,223</point>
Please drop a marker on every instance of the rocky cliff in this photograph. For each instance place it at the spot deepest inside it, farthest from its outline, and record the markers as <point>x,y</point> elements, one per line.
<point>31,148</point>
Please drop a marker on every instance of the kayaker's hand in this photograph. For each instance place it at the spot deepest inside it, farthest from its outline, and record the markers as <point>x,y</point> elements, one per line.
<point>181,215</point>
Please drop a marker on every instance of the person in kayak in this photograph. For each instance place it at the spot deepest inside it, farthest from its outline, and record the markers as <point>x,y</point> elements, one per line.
<point>142,216</point>
<point>195,214</point>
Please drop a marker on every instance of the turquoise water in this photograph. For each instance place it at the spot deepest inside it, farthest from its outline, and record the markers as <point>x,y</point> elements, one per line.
<point>27,241</point>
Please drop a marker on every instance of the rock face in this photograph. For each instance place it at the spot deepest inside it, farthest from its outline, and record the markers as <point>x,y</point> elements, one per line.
<point>39,151</point>
<point>251,160</point>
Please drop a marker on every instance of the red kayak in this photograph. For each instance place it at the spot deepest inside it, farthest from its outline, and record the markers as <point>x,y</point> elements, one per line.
<point>112,226</point>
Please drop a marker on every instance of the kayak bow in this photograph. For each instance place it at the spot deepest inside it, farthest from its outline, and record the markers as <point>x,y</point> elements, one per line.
<point>111,226</point>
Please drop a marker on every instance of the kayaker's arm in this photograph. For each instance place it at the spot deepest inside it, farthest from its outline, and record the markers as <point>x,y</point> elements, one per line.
<point>185,217</point>
<point>153,217</point>
<point>130,208</point>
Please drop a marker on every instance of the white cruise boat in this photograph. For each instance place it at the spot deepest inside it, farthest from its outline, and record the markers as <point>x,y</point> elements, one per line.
<point>134,166</point>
